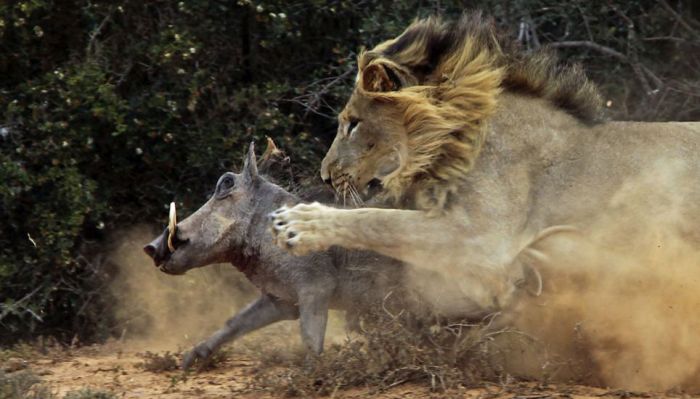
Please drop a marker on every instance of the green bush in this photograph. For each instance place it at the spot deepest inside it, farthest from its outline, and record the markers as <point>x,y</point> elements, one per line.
<point>111,109</point>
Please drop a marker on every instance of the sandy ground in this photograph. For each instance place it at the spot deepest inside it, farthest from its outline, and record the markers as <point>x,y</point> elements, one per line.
<point>115,367</point>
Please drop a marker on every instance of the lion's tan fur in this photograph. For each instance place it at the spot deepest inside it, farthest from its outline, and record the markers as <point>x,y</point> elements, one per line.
<point>450,77</point>
<point>538,200</point>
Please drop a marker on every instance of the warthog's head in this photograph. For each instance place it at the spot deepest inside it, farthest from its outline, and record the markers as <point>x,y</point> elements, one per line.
<point>224,228</point>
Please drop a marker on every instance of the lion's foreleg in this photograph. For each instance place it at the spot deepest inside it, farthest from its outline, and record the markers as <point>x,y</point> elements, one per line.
<point>410,236</point>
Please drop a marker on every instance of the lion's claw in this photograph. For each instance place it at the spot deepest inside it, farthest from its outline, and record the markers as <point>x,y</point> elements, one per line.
<point>301,228</point>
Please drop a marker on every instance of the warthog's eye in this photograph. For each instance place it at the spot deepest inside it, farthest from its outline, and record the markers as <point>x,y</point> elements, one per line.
<point>225,184</point>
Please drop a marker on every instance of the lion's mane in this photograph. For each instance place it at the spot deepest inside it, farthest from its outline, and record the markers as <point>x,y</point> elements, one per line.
<point>446,78</point>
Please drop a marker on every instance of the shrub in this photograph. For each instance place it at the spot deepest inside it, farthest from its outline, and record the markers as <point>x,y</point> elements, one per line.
<point>23,385</point>
<point>88,393</point>
<point>388,351</point>
<point>157,363</point>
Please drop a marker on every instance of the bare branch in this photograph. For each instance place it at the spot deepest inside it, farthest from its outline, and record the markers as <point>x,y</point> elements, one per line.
<point>640,70</point>
<point>593,46</point>
<point>666,38</point>
<point>14,307</point>
<point>93,35</point>
<point>585,22</point>
<point>313,100</point>
<point>679,18</point>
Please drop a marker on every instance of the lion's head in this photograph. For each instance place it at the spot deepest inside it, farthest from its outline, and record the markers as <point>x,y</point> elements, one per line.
<point>416,120</point>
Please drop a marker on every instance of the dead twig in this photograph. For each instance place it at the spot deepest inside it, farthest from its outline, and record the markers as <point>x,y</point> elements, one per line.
<point>12,308</point>
<point>685,24</point>
<point>93,35</point>
<point>640,70</point>
<point>312,101</point>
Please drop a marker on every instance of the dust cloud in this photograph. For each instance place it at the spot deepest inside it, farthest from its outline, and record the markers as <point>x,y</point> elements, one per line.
<point>621,300</point>
<point>160,311</point>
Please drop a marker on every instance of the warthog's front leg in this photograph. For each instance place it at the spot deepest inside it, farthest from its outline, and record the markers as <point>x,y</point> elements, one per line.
<point>313,310</point>
<point>262,312</point>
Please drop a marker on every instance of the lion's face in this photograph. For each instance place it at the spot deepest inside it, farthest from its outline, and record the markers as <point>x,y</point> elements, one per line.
<point>400,129</point>
<point>367,148</point>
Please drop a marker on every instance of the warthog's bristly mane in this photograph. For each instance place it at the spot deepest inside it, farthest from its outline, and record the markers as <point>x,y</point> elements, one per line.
<point>446,77</point>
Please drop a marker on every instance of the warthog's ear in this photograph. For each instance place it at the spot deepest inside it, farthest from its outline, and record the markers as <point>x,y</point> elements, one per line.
<point>273,159</point>
<point>250,166</point>
<point>271,149</point>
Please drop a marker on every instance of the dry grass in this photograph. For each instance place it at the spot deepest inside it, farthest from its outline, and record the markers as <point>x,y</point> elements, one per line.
<point>23,385</point>
<point>387,352</point>
<point>157,363</point>
<point>27,385</point>
<point>25,351</point>
<point>88,393</point>
<point>167,361</point>
<point>18,381</point>
<point>216,360</point>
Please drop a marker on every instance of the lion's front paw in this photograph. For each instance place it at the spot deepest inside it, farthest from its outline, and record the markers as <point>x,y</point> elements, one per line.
<point>303,228</point>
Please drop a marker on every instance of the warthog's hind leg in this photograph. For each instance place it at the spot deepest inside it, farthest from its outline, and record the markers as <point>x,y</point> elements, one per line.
<point>260,313</point>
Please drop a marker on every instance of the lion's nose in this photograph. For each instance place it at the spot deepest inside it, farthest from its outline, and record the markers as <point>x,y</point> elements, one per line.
<point>325,173</point>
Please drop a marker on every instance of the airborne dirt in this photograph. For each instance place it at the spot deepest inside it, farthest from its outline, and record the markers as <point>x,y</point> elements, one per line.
<point>156,312</point>
<point>159,313</point>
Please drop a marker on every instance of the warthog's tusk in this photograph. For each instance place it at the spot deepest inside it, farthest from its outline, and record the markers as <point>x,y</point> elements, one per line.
<point>172,226</point>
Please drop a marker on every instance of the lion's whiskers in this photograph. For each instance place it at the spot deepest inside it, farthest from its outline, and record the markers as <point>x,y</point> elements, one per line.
<point>357,199</point>
<point>345,192</point>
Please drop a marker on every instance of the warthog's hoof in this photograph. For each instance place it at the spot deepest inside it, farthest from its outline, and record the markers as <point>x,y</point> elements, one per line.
<point>199,354</point>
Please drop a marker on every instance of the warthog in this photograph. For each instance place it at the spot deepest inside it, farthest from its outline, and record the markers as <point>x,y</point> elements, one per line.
<point>233,226</point>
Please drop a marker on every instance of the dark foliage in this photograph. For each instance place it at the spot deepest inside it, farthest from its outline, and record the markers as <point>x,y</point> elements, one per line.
<point>111,109</point>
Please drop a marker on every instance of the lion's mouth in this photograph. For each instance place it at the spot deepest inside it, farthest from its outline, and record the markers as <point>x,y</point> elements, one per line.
<point>348,194</point>
<point>373,188</point>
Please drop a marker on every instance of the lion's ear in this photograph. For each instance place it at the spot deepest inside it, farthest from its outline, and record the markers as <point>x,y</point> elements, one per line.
<point>381,77</point>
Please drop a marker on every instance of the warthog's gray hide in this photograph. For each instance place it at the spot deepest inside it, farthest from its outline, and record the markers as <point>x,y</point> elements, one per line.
<point>233,227</point>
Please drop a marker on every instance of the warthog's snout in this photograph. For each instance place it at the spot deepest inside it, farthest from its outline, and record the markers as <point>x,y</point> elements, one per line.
<point>158,248</point>
<point>161,248</point>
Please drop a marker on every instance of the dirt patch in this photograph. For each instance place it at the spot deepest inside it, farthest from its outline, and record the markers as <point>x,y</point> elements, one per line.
<point>117,368</point>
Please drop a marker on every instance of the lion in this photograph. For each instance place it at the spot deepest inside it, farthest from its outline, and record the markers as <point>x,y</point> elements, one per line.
<point>467,153</point>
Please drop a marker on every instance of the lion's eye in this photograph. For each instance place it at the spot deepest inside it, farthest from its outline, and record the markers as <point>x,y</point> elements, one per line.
<point>352,125</point>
